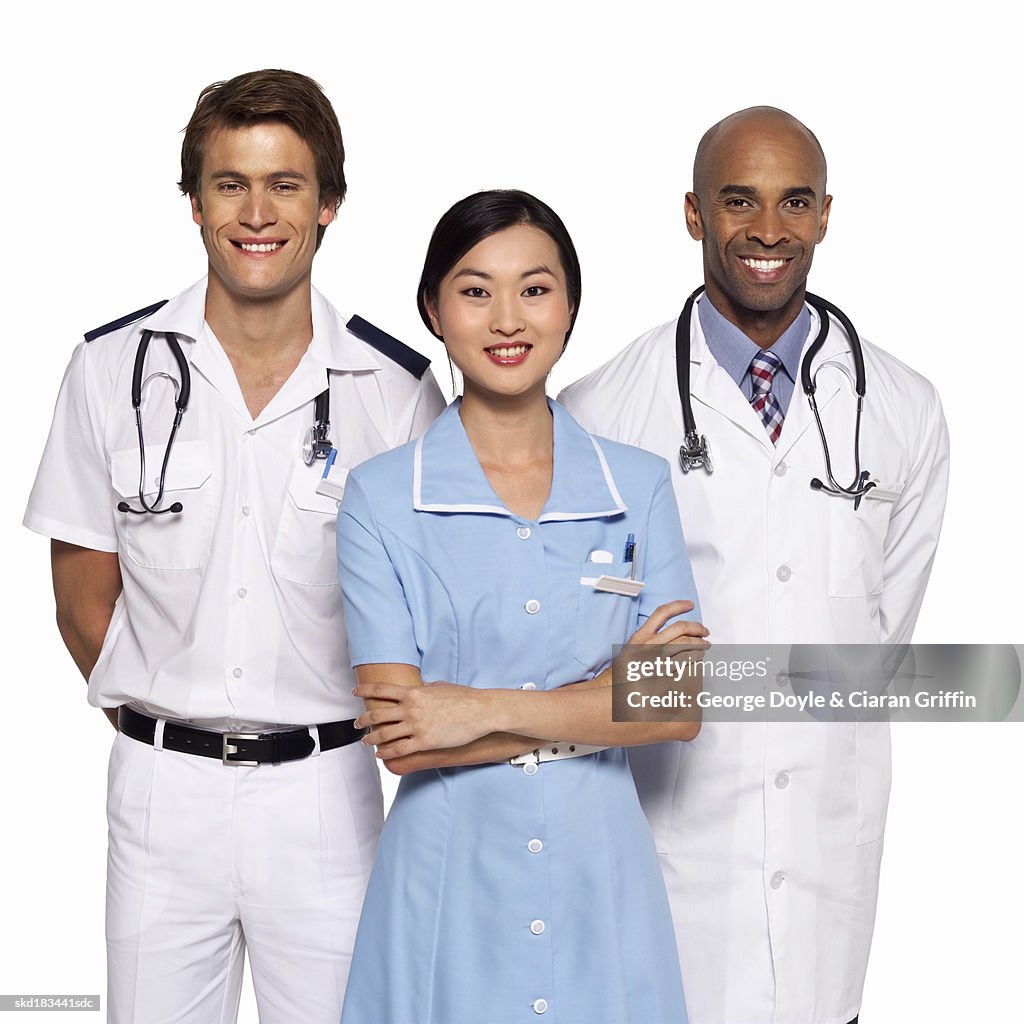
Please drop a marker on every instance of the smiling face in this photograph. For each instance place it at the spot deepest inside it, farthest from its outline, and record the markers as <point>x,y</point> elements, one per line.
<point>503,312</point>
<point>259,206</point>
<point>759,209</point>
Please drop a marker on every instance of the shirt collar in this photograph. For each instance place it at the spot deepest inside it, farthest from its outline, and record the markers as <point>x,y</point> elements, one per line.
<point>333,346</point>
<point>733,350</point>
<point>448,478</point>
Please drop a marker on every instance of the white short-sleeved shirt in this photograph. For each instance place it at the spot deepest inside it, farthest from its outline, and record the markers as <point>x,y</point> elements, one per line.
<point>231,608</point>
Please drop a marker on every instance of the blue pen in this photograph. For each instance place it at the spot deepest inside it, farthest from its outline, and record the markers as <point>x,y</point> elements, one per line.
<point>628,554</point>
<point>330,462</point>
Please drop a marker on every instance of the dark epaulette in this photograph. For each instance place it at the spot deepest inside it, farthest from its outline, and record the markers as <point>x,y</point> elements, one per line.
<point>398,352</point>
<point>123,321</point>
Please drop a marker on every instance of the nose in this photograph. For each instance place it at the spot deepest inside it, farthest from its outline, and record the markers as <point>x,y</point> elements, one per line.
<point>767,227</point>
<point>506,316</point>
<point>257,210</point>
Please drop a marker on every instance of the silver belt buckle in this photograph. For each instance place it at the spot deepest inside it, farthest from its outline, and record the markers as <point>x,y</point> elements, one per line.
<point>227,749</point>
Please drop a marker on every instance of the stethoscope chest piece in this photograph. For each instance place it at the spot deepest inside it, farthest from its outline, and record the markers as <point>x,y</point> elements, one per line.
<point>695,453</point>
<point>317,443</point>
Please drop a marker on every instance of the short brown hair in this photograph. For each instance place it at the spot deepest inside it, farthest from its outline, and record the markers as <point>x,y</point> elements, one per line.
<point>269,95</point>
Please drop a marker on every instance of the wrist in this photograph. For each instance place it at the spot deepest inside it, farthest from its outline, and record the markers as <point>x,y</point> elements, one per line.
<point>512,711</point>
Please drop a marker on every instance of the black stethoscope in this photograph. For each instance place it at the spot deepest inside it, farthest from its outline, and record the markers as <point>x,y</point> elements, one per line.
<point>317,444</point>
<point>694,452</point>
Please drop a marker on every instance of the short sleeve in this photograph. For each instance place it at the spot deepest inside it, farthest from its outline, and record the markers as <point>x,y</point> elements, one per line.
<point>377,617</point>
<point>667,572</point>
<point>72,498</point>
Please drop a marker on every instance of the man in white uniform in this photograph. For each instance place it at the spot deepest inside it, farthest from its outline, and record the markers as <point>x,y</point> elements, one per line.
<point>771,835</point>
<point>196,588</point>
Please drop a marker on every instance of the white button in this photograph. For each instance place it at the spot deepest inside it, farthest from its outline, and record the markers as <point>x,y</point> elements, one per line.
<point>530,768</point>
<point>537,927</point>
<point>528,686</point>
<point>535,846</point>
<point>237,673</point>
<point>783,573</point>
<point>540,1006</point>
<point>523,533</point>
<point>242,591</point>
<point>777,879</point>
<point>782,780</point>
<point>780,469</point>
<point>532,606</point>
<point>245,510</point>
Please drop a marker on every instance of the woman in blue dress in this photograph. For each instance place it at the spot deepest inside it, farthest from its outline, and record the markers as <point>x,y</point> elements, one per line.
<point>483,559</point>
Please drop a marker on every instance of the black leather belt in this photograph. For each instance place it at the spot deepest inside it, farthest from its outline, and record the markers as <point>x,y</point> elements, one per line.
<point>238,748</point>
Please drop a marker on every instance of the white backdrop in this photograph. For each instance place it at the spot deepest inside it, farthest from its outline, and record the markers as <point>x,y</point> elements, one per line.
<point>597,109</point>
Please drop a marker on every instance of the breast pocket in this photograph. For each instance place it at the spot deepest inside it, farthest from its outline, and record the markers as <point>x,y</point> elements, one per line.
<point>171,540</point>
<point>305,550</point>
<point>602,619</point>
<point>857,543</point>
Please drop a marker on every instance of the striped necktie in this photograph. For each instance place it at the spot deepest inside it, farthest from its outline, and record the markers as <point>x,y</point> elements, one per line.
<point>763,368</point>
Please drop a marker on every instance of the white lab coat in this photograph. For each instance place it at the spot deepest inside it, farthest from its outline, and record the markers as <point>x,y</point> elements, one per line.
<point>771,835</point>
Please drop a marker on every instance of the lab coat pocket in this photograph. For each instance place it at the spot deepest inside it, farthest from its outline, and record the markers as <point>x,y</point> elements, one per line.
<point>874,775</point>
<point>602,618</point>
<point>856,545</point>
<point>172,540</point>
<point>305,549</point>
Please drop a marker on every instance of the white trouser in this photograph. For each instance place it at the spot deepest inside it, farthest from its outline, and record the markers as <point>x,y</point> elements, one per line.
<point>207,860</point>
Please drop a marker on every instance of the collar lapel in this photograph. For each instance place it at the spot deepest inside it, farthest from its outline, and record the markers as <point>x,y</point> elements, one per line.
<point>712,387</point>
<point>799,416</point>
<point>448,478</point>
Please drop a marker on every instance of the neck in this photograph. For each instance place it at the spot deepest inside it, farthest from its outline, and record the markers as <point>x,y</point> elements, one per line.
<point>508,430</point>
<point>260,330</point>
<point>762,327</point>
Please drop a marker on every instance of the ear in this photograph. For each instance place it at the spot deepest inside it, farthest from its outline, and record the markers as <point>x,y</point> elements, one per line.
<point>435,323</point>
<point>826,208</point>
<point>197,209</point>
<point>694,221</point>
<point>327,214</point>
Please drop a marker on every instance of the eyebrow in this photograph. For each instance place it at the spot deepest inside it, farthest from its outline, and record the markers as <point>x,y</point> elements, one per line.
<point>472,272</point>
<point>230,175</point>
<point>750,191</point>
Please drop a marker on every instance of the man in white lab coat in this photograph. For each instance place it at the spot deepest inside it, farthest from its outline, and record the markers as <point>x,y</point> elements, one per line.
<point>771,834</point>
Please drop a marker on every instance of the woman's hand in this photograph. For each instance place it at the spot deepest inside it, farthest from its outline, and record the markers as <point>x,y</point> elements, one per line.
<point>428,717</point>
<point>689,635</point>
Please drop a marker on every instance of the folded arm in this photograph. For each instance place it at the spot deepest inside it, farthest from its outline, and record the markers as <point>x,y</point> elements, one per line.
<point>416,726</point>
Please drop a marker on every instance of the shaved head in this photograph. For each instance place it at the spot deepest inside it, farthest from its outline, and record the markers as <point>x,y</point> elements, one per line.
<point>747,127</point>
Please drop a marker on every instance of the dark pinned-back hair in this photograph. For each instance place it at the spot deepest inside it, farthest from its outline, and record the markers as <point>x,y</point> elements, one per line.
<point>481,215</point>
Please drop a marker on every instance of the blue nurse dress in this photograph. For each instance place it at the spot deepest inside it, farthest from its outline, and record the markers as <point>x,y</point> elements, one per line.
<point>500,893</point>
